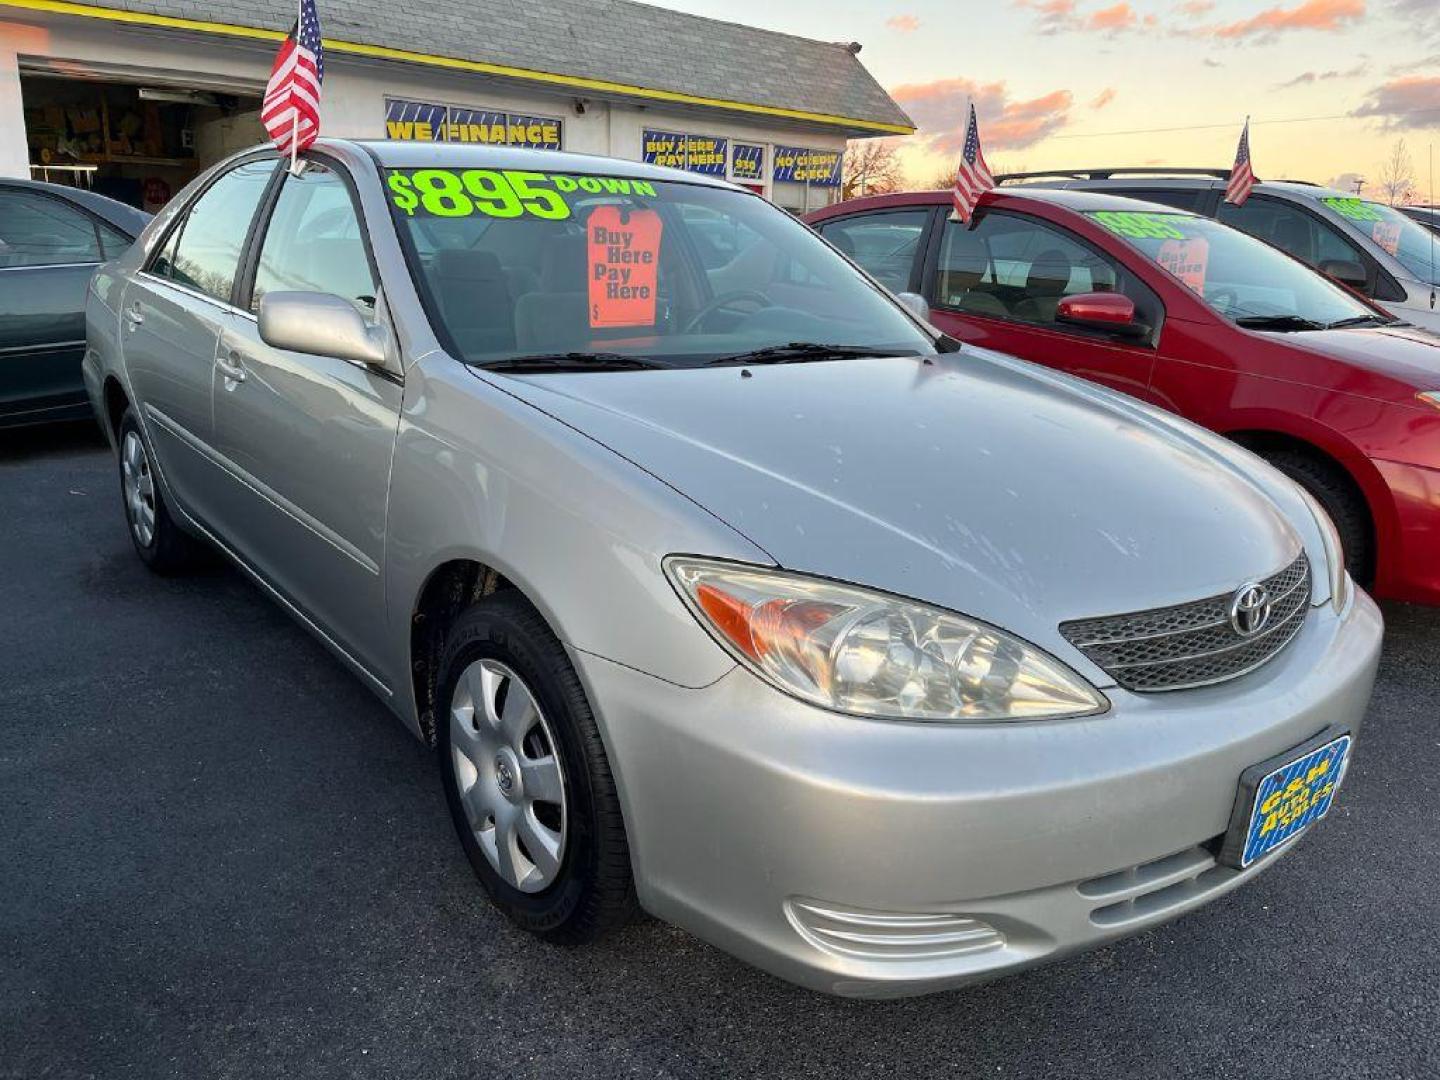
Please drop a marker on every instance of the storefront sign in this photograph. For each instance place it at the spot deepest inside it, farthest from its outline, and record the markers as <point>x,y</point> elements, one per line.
<point>801,166</point>
<point>419,121</point>
<point>663,148</point>
<point>674,150</point>
<point>705,154</point>
<point>747,162</point>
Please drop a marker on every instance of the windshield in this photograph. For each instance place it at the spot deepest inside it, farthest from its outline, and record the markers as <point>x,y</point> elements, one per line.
<point>576,268</point>
<point>1240,277</point>
<point>1411,243</point>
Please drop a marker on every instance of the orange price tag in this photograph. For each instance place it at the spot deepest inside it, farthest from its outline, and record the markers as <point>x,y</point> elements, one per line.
<point>623,258</point>
<point>1187,260</point>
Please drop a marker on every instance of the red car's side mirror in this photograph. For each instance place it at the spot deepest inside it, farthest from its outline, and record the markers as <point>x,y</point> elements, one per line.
<point>1113,313</point>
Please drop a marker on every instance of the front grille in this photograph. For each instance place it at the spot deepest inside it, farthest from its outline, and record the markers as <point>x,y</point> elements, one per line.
<point>1192,644</point>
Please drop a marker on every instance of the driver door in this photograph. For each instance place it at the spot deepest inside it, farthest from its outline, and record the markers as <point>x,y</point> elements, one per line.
<point>308,439</point>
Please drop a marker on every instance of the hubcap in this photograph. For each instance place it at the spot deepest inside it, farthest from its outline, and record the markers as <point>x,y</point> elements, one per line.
<point>138,487</point>
<point>509,775</point>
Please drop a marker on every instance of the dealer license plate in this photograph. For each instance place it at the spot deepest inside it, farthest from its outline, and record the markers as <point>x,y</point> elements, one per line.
<point>1288,799</point>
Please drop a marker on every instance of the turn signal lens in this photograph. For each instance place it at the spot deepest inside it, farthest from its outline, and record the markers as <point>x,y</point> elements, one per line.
<point>1430,397</point>
<point>866,653</point>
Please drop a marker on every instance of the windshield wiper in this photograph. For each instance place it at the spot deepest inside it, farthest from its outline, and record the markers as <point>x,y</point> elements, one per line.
<point>800,352</point>
<point>1281,323</point>
<point>572,361</point>
<point>1359,320</point>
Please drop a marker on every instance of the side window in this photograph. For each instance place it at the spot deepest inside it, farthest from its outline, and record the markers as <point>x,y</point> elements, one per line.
<point>113,243</point>
<point>39,230</point>
<point>1013,267</point>
<point>313,242</point>
<point>883,243</point>
<point>1179,198</point>
<point>206,253</point>
<point>1290,229</point>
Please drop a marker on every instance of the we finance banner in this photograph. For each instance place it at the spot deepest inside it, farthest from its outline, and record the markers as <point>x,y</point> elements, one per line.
<point>420,121</point>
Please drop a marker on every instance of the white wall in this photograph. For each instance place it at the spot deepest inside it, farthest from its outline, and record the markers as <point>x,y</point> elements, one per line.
<point>355,90</point>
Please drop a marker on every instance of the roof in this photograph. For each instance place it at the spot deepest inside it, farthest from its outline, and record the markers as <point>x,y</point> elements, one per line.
<point>422,155</point>
<point>1000,198</point>
<point>617,48</point>
<point>124,217</point>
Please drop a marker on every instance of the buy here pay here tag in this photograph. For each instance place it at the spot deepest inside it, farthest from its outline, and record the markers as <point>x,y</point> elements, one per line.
<point>623,256</point>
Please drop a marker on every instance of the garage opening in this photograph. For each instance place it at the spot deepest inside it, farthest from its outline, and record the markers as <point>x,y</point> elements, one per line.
<point>134,140</point>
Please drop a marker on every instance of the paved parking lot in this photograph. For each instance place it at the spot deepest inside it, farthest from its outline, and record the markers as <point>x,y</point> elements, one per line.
<point>220,856</point>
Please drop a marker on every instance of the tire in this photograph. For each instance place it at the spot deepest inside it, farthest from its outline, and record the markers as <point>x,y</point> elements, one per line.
<point>499,788</point>
<point>159,542</point>
<point>1335,491</point>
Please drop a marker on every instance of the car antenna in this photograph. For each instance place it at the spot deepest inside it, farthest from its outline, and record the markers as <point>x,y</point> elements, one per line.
<point>1433,275</point>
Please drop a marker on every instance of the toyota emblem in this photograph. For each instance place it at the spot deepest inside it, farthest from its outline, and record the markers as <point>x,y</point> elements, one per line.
<point>1250,609</point>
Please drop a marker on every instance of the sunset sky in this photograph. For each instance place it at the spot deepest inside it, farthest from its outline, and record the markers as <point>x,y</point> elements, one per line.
<point>1330,84</point>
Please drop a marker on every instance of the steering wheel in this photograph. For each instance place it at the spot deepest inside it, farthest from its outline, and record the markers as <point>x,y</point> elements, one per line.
<point>723,301</point>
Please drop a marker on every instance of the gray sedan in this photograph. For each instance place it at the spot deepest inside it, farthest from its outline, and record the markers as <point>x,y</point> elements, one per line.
<point>727,587</point>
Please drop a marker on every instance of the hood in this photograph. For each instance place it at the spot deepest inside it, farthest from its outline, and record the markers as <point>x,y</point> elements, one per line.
<point>1417,310</point>
<point>979,483</point>
<point>1408,354</point>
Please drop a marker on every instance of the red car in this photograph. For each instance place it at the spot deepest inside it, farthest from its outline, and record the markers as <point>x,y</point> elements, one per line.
<point>1202,320</point>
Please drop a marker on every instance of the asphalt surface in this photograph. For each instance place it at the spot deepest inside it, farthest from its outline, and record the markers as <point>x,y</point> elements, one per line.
<point>220,856</point>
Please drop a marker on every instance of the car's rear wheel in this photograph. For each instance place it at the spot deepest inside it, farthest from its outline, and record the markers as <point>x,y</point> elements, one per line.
<point>1334,491</point>
<point>526,777</point>
<point>159,542</point>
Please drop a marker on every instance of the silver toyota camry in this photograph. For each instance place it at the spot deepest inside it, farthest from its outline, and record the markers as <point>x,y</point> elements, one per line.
<point>724,585</point>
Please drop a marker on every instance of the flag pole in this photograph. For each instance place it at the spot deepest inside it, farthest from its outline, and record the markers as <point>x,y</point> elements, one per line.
<point>295,113</point>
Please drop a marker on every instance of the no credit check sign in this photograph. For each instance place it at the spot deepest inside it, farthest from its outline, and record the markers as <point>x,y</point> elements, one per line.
<point>500,193</point>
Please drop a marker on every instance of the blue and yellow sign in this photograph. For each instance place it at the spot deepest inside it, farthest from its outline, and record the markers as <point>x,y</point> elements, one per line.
<point>799,165</point>
<point>663,148</point>
<point>1294,797</point>
<point>419,121</point>
<point>705,154</point>
<point>747,162</point>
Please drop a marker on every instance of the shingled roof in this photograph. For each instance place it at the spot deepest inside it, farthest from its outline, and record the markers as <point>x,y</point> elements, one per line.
<point>616,46</point>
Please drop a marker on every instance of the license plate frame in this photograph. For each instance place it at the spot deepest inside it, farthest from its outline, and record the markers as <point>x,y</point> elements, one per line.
<point>1311,773</point>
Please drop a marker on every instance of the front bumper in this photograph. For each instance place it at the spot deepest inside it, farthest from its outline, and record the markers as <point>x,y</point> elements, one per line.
<point>1410,568</point>
<point>873,858</point>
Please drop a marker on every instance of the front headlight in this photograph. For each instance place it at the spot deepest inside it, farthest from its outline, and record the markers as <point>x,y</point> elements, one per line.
<point>869,654</point>
<point>1334,550</point>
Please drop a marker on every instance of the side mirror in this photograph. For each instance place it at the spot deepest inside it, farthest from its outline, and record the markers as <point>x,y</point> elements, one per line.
<point>323,325</point>
<point>1113,313</point>
<point>915,304</point>
<point>1346,272</point>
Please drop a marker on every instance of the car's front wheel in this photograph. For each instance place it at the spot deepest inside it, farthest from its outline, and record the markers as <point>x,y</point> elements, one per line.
<point>159,542</point>
<point>526,777</point>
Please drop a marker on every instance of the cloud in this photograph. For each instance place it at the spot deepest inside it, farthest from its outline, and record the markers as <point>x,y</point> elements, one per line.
<point>1105,97</point>
<point>1346,181</point>
<point>1210,61</point>
<point>1194,8</point>
<point>905,24</point>
<point>1051,16</point>
<point>1307,77</point>
<point>1423,64</point>
<point>1327,15</point>
<point>1412,101</point>
<point>1111,20</point>
<point>938,109</point>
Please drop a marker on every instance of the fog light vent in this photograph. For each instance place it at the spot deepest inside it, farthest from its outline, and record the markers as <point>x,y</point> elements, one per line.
<point>884,935</point>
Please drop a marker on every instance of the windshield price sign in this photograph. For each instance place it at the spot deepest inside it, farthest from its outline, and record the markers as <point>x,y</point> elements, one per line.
<point>1354,209</point>
<point>1141,226</point>
<point>623,255</point>
<point>504,193</point>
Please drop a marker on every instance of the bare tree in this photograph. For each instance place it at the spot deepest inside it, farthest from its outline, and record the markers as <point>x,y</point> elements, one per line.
<point>871,168</point>
<point>1397,175</point>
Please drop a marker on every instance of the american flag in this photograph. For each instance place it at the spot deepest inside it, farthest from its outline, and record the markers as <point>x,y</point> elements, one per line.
<point>291,109</point>
<point>1242,177</point>
<point>972,178</point>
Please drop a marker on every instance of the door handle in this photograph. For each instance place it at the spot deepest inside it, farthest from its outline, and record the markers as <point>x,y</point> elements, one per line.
<point>133,315</point>
<point>230,367</point>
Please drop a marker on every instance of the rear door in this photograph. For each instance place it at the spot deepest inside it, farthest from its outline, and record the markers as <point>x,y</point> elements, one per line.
<point>307,440</point>
<point>172,314</point>
<point>999,285</point>
<point>49,249</point>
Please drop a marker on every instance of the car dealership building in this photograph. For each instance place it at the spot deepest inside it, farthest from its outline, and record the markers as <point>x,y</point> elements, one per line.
<point>133,97</point>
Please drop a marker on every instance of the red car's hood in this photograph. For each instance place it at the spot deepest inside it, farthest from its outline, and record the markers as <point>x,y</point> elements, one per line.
<point>1407,354</point>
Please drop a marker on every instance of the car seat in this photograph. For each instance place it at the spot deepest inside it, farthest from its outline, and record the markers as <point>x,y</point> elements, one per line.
<point>1045,284</point>
<point>557,316</point>
<point>475,300</point>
